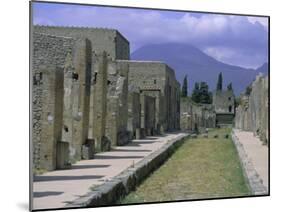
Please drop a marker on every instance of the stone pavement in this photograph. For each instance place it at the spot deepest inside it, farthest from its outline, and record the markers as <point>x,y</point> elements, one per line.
<point>255,159</point>
<point>56,189</point>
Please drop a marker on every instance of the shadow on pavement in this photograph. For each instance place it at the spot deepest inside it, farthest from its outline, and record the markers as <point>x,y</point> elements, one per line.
<point>63,178</point>
<point>46,193</point>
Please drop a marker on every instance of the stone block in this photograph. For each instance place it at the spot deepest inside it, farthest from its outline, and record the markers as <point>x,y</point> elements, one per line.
<point>63,155</point>
<point>88,149</point>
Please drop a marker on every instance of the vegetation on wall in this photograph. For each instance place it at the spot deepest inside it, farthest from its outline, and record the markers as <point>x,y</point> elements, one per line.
<point>201,93</point>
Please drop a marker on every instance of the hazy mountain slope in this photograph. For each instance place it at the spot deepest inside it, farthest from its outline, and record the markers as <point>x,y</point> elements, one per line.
<point>187,59</point>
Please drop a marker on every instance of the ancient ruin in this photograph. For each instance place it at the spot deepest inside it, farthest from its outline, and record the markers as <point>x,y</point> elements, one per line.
<point>88,96</point>
<point>252,112</point>
<point>196,117</point>
<point>224,103</point>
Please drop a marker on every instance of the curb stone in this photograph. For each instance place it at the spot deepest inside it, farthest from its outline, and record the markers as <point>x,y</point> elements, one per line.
<point>253,179</point>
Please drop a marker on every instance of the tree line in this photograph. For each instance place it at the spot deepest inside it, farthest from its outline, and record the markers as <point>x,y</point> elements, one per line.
<point>200,92</point>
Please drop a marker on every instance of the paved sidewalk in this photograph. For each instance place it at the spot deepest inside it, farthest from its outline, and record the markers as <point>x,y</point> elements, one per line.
<point>255,152</point>
<point>57,188</point>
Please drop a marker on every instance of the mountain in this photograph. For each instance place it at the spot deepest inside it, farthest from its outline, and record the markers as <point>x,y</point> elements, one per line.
<point>187,59</point>
<point>263,69</point>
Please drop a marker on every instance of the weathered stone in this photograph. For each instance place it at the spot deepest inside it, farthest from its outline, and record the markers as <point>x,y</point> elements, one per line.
<point>134,112</point>
<point>224,103</point>
<point>252,112</point>
<point>88,149</point>
<point>117,110</point>
<point>157,80</point>
<point>49,56</point>
<point>109,40</point>
<point>99,101</point>
<point>63,155</point>
<point>193,115</point>
<point>147,115</point>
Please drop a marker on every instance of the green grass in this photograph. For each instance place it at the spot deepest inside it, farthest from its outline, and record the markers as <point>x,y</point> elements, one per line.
<point>200,168</point>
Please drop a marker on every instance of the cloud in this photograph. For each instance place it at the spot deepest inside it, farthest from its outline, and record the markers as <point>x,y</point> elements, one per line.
<point>238,40</point>
<point>259,20</point>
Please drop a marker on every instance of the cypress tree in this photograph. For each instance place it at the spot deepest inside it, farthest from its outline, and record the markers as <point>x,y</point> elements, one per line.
<point>184,87</point>
<point>196,93</point>
<point>205,95</point>
<point>219,83</point>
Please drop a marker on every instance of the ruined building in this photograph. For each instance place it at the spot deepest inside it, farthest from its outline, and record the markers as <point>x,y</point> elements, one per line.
<point>196,116</point>
<point>253,110</point>
<point>156,79</point>
<point>224,103</point>
<point>108,40</point>
<point>87,96</point>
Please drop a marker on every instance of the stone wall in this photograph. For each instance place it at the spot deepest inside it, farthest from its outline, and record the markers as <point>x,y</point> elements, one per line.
<point>224,103</point>
<point>117,110</point>
<point>99,101</point>
<point>147,115</point>
<point>81,86</point>
<point>195,116</point>
<point>73,59</point>
<point>158,80</point>
<point>83,101</point>
<point>108,40</point>
<point>134,114</point>
<point>252,112</point>
<point>49,56</point>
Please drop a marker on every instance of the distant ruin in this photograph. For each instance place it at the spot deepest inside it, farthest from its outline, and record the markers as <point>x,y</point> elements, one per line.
<point>224,103</point>
<point>197,117</point>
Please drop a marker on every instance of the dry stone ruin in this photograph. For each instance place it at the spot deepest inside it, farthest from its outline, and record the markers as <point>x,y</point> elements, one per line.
<point>87,96</point>
<point>252,112</point>
<point>224,103</point>
<point>197,117</point>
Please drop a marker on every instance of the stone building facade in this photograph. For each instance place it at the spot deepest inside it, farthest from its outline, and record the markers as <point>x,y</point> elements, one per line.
<point>84,100</point>
<point>224,103</point>
<point>252,114</point>
<point>102,39</point>
<point>56,62</point>
<point>196,116</point>
<point>156,79</point>
<point>134,114</point>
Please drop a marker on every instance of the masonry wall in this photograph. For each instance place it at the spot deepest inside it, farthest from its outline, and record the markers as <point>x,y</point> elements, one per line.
<point>158,80</point>
<point>108,40</point>
<point>134,114</point>
<point>147,115</point>
<point>252,112</point>
<point>224,103</point>
<point>73,59</point>
<point>198,116</point>
<point>49,54</point>
<point>117,111</point>
<point>81,96</point>
<point>99,102</point>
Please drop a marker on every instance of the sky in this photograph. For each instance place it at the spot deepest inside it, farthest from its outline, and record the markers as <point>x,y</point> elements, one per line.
<point>232,39</point>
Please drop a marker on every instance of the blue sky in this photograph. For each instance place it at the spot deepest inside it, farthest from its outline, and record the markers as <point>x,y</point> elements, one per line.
<point>236,40</point>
